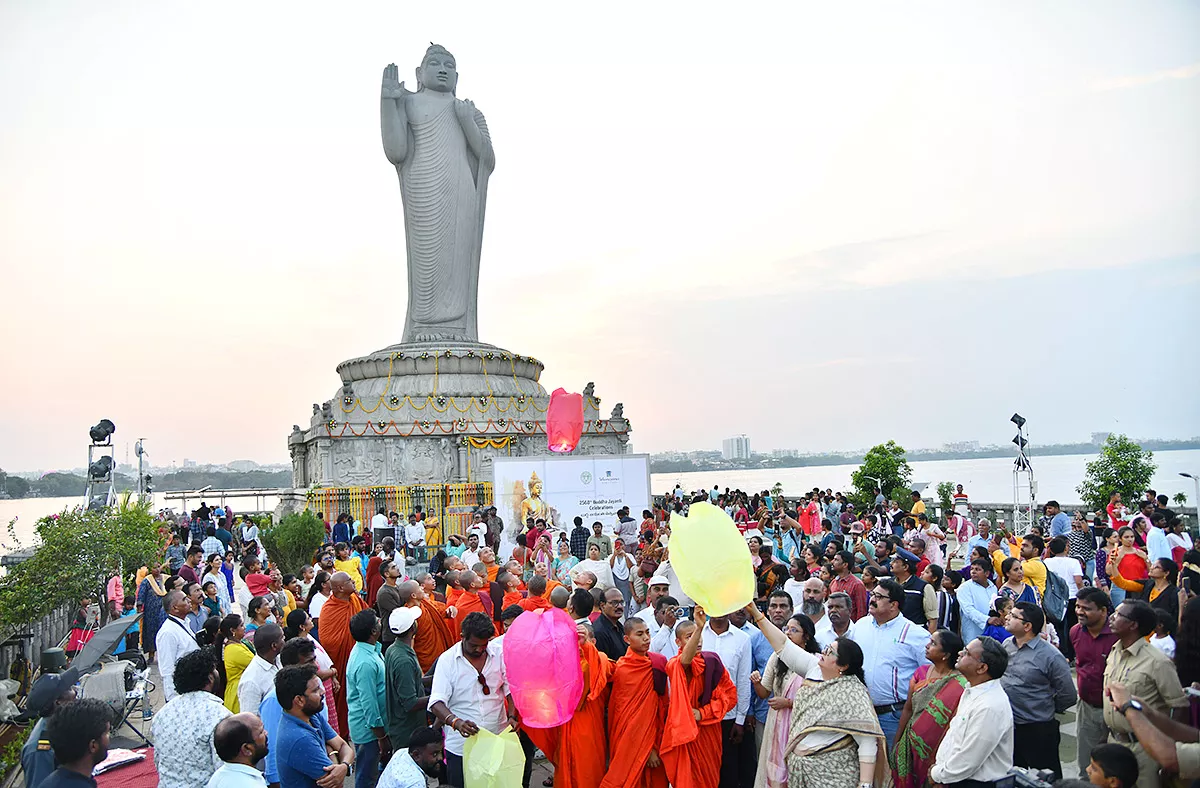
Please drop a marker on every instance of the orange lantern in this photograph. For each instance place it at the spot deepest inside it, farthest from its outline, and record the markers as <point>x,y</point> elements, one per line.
<point>564,421</point>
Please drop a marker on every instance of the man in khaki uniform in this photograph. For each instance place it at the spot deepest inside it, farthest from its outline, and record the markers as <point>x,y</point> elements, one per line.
<point>1148,674</point>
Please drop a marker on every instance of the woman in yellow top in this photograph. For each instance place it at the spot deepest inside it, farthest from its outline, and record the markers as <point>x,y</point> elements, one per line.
<point>433,532</point>
<point>237,653</point>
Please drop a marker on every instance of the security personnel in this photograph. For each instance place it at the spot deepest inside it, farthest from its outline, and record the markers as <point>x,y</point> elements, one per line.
<point>50,692</point>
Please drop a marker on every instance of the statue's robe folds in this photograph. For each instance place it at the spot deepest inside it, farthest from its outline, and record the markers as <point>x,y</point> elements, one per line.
<point>577,747</point>
<point>335,637</point>
<point>691,751</point>
<point>444,186</point>
<point>636,715</point>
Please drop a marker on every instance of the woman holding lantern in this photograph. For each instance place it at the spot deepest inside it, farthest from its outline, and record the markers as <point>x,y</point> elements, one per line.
<point>834,739</point>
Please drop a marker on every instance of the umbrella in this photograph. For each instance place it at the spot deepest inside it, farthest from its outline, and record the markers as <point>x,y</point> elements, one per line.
<point>103,643</point>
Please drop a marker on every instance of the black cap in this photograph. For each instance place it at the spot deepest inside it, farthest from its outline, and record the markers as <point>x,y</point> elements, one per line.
<point>48,688</point>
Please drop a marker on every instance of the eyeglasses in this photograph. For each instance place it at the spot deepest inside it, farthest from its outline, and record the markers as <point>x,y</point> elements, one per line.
<point>483,683</point>
<point>830,651</point>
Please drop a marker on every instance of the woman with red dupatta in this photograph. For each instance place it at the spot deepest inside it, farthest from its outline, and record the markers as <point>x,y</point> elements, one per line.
<point>933,696</point>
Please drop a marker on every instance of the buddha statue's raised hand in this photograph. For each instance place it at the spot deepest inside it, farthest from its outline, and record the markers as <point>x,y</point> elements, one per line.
<point>393,88</point>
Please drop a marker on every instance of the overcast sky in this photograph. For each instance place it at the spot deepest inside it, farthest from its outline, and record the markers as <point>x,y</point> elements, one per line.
<point>821,224</point>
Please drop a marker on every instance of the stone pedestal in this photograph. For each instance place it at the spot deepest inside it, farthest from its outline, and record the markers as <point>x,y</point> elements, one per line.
<point>430,413</point>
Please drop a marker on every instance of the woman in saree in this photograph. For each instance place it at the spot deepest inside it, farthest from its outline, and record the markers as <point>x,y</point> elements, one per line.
<point>933,695</point>
<point>563,564</point>
<point>834,739</point>
<point>781,681</point>
<point>150,594</point>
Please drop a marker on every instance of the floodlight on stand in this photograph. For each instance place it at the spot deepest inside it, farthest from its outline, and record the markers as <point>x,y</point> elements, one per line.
<point>1018,419</point>
<point>102,431</point>
<point>148,483</point>
<point>100,470</point>
<point>1020,442</point>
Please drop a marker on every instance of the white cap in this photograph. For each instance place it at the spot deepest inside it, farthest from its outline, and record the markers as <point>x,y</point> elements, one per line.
<point>402,619</point>
<point>658,581</point>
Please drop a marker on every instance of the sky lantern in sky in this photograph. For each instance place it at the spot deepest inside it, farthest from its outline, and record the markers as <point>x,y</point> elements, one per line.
<point>564,420</point>
<point>541,658</point>
<point>710,558</point>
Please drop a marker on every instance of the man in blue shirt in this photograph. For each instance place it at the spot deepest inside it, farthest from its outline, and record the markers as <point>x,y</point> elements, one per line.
<point>366,699</point>
<point>303,737</point>
<point>1060,523</point>
<point>296,652</point>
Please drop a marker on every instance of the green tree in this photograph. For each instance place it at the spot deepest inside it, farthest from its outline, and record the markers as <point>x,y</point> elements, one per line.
<point>777,489</point>
<point>290,543</point>
<point>945,494</point>
<point>16,487</point>
<point>1123,466</point>
<point>76,552</point>
<point>1180,499</point>
<point>888,464</point>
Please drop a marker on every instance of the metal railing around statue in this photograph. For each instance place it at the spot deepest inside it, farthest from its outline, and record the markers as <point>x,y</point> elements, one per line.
<point>451,504</point>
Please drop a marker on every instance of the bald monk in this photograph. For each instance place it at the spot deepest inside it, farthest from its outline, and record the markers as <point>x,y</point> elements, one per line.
<point>434,634</point>
<point>471,599</point>
<point>559,597</point>
<point>453,587</point>
<point>577,748</point>
<point>701,695</point>
<point>637,711</point>
<point>335,633</point>
<point>487,557</point>
<point>512,594</point>
<point>543,571</point>
<point>537,595</point>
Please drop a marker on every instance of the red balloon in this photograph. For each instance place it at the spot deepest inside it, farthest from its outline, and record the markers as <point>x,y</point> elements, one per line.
<point>564,421</point>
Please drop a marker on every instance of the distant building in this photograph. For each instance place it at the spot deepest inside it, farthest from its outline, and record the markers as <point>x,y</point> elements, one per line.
<point>189,463</point>
<point>961,446</point>
<point>785,452</point>
<point>736,448</point>
<point>1098,438</point>
<point>243,466</point>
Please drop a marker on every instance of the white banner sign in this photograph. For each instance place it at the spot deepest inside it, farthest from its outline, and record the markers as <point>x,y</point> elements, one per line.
<point>558,489</point>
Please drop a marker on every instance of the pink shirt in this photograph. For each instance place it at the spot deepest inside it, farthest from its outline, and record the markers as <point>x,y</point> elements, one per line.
<point>116,594</point>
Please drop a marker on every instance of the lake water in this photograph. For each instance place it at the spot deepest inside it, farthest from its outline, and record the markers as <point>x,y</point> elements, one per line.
<point>985,480</point>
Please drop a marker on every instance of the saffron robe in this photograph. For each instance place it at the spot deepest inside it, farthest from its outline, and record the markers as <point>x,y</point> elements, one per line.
<point>434,633</point>
<point>374,580</point>
<point>635,709</point>
<point>577,747</point>
<point>470,602</point>
<point>335,637</point>
<point>535,603</point>
<point>691,750</point>
<point>511,598</point>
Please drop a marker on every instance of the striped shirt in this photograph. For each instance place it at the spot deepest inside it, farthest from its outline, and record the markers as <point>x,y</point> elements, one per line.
<point>892,652</point>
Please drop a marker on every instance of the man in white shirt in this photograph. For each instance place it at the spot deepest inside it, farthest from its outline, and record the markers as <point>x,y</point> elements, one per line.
<point>381,526</point>
<point>174,639</point>
<point>470,556</point>
<point>184,756</point>
<point>732,645</point>
<point>457,698</point>
<point>423,759</point>
<point>259,677</point>
<point>813,605</point>
<point>975,598</point>
<point>1157,545</point>
<point>656,589</point>
<point>1071,572</point>
<point>663,627</point>
<point>978,745</point>
<point>414,538</point>
<point>241,742</point>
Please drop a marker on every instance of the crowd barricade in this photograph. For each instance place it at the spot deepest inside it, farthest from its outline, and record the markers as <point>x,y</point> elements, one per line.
<point>451,504</point>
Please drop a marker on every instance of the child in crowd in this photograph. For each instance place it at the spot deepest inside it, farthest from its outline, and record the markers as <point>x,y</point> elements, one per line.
<point>995,625</point>
<point>1164,634</point>
<point>1112,766</point>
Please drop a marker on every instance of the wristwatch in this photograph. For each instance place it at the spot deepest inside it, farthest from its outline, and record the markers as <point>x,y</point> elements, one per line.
<point>1132,703</point>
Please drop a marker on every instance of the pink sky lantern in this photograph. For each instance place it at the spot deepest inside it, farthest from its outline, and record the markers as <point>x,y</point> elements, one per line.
<point>564,421</point>
<point>541,657</point>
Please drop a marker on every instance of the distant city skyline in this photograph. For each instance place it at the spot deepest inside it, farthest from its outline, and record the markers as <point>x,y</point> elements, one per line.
<point>906,222</point>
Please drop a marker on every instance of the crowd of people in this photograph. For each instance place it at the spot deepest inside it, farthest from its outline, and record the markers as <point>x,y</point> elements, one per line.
<point>885,645</point>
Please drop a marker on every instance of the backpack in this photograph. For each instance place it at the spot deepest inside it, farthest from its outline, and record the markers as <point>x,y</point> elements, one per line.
<point>1057,595</point>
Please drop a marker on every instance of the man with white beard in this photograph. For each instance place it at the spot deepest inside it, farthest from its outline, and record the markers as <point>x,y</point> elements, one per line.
<point>813,606</point>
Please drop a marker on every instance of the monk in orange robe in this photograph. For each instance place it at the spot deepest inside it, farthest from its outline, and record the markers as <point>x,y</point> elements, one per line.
<point>487,557</point>
<point>577,747</point>
<point>434,633</point>
<point>470,600</point>
<point>334,633</point>
<point>637,711</point>
<point>512,594</point>
<point>699,700</point>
